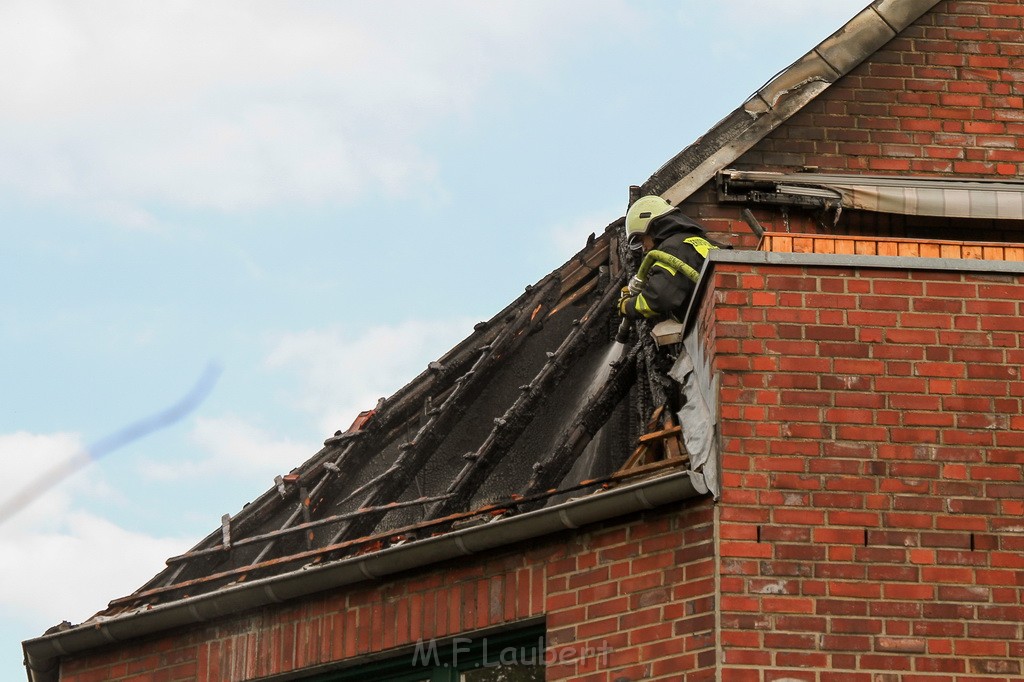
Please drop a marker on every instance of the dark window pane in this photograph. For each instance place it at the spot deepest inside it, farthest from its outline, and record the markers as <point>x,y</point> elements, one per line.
<point>505,673</point>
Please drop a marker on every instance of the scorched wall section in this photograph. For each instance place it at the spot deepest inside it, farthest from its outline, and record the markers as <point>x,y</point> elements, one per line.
<point>943,97</point>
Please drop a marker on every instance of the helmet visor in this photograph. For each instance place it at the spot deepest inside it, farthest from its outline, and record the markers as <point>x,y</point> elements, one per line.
<point>635,242</point>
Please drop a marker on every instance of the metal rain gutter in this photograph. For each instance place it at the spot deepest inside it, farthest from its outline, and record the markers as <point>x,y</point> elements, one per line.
<point>42,654</point>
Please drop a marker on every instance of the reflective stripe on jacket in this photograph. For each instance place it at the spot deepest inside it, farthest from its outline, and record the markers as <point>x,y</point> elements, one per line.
<point>666,291</point>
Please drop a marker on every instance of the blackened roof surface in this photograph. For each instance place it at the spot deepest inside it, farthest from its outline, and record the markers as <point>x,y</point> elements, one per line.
<point>526,411</point>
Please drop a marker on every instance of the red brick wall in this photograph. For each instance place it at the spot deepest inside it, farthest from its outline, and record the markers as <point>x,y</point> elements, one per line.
<point>643,587</point>
<point>872,517</point>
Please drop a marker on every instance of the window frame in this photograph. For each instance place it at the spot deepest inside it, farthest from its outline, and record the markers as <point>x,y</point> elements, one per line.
<point>455,655</point>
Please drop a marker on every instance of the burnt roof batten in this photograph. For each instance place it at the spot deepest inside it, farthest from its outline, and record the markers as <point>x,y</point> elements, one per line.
<point>301,508</point>
<point>430,435</point>
<point>211,545</point>
<point>507,429</point>
<point>387,420</point>
<point>317,556</point>
<point>306,526</point>
<point>596,411</point>
<point>408,400</point>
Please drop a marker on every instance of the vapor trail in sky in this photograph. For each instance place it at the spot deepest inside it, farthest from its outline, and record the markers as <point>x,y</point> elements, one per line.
<point>109,443</point>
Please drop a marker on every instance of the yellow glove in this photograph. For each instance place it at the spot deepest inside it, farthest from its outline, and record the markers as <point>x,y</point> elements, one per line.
<point>624,296</point>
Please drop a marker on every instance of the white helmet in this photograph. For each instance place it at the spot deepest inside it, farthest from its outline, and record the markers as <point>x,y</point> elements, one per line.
<point>640,214</point>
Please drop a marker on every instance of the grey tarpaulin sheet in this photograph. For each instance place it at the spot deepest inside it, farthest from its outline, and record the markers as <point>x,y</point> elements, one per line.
<point>698,415</point>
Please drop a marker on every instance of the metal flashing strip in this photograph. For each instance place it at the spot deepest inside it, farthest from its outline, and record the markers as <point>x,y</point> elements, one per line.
<point>41,653</point>
<point>856,261</point>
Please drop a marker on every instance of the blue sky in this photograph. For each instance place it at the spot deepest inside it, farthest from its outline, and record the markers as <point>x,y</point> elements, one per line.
<point>321,197</point>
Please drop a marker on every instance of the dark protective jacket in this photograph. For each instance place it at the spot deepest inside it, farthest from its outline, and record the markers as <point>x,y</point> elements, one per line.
<point>667,290</point>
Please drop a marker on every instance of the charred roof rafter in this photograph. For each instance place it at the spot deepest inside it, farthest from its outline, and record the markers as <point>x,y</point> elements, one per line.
<point>315,521</point>
<point>417,452</point>
<point>594,413</point>
<point>519,415</point>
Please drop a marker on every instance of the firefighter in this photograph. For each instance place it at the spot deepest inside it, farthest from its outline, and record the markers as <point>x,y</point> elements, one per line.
<point>675,248</point>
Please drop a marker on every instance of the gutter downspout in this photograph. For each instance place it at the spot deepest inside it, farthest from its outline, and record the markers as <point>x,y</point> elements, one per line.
<point>42,654</point>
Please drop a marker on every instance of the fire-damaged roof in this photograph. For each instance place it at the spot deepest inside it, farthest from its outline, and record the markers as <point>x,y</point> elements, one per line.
<point>502,423</point>
<point>537,422</point>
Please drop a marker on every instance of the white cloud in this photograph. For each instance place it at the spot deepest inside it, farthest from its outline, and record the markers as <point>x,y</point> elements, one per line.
<point>26,459</point>
<point>341,374</point>
<point>71,573</point>
<point>58,561</point>
<point>234,447</point>
<point>247,103</point>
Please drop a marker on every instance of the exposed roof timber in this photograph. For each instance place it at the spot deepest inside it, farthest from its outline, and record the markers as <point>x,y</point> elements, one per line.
<point>255,529</point>
<point>346,452</point>
<point>288,529</point>
<point>519,416</point>
<point>783,96</point>
<point>566,286</point>
<point>415,454</point>
<point>513,505</point>
<point>338,453</point>
<point>409,399</point>
<point>587,422</point>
